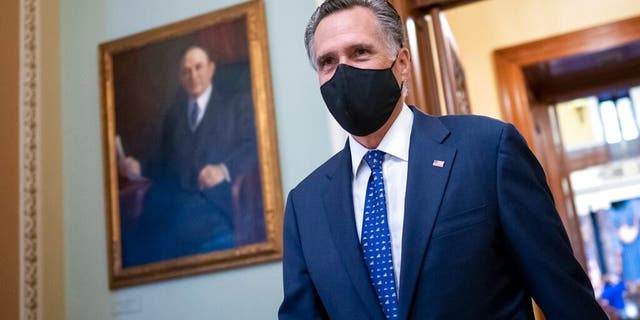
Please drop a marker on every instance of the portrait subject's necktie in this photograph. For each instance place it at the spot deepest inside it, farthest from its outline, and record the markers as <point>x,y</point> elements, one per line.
<point>193,116</point>
<point>376,239</point>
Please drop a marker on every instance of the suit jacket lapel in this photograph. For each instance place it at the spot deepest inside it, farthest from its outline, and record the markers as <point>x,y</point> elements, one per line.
<point>426,182</point>
<point>338,202</point>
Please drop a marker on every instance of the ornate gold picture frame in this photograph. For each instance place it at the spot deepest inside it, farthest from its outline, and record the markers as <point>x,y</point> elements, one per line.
<point>192,175</point>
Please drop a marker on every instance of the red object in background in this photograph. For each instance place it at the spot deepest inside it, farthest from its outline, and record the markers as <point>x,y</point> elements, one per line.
<point>225,42</point>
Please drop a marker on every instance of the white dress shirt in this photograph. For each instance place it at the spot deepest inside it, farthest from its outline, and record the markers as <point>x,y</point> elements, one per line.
<point>395,145</point>
<point>203,101</point>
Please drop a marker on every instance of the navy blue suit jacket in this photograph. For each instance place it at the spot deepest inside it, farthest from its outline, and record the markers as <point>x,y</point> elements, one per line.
<point>481,234</point>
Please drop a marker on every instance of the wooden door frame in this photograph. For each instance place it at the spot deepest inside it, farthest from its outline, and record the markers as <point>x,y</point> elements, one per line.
<point>510,62</point>
<point>424,78</point>
<point>10,165</point>
<point>516,103</point>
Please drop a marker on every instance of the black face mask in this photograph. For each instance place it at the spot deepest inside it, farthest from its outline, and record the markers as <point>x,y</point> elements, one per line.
<point>361,100</point>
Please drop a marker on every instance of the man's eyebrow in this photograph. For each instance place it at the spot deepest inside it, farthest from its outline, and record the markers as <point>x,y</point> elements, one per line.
<point>360,46</point>
<point>349,49</point>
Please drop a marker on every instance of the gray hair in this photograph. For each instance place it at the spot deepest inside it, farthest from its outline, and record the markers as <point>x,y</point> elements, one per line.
<point>387,17</point>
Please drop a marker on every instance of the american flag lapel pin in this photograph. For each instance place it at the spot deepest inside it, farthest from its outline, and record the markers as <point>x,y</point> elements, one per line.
<point>438,163</point>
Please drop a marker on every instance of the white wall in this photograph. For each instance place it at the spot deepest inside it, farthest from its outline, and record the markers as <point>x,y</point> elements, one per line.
<point>246,293</point>
<point>484,26</point>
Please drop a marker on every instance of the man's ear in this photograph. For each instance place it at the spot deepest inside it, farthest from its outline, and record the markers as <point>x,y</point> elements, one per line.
<point>404,63</point>
<point>212,67</point>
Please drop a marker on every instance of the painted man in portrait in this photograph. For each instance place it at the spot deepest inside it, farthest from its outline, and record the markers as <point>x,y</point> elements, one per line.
<point>208,140</point>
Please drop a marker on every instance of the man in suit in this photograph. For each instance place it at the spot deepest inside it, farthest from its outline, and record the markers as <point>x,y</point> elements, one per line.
<point>208,139</point>
<point>418,217</point>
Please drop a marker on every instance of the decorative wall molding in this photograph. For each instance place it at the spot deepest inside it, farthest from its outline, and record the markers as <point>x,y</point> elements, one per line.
<point>29,156</point>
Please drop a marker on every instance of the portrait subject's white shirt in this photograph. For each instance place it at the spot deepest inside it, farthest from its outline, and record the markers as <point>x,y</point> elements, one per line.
<point>203,101</point>
<point>394,170</point>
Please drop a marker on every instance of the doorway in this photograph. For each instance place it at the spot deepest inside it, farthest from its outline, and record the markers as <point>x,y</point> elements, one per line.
<point>600,141</point>
<point>566,94</point>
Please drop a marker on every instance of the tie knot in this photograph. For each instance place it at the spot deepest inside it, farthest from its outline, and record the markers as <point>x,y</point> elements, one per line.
<point>374,159</point>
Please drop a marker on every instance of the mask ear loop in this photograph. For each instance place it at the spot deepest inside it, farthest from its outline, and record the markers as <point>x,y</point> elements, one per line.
<point>394,61</point>
<point>393,64</point>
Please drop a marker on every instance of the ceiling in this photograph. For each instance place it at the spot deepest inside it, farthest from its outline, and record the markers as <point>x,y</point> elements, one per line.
<point>608,73</point>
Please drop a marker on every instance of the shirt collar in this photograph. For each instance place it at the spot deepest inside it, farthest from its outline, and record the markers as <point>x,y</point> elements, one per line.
<point>395,143</point>
<point>203,99</point>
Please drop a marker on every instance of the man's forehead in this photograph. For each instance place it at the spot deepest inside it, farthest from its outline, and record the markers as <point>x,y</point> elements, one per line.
<point>195,55</point>
<point>346,29</point>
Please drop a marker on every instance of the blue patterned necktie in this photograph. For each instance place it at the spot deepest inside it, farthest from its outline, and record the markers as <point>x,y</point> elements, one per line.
<point>193,116</point>
<point>376,240</point>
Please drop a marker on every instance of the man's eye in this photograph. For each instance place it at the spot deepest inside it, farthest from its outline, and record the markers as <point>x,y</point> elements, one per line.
<point>324,63</point>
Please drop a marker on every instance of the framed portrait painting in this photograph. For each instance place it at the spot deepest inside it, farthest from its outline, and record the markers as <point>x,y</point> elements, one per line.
<point>192,176</point>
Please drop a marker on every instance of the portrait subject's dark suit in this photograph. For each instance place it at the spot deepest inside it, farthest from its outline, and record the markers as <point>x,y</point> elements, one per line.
<point>481,234</point>
<point>180,219</point>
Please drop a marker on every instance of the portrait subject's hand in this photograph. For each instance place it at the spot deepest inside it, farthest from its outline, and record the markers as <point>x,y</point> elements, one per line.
<point>130,168</point>
<point>211,175</point>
